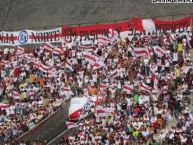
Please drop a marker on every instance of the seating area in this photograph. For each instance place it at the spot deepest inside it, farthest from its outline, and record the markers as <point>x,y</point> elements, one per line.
<point>146,79</point>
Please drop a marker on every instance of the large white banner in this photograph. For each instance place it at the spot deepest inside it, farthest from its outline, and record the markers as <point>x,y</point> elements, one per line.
<point>47,36</point>
<point>30,37</point>
<point>9,38</point>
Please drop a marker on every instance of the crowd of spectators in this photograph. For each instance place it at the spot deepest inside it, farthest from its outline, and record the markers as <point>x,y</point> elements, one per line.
<point>139,115</point>
<point>29,94</point>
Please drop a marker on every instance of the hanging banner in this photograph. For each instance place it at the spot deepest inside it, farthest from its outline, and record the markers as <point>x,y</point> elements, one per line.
<point>30,37</point>
<point>158,26</point>
<point>88,34</point>
<point>9,38</point>
<point>178,26</point>
<point>47,36</point>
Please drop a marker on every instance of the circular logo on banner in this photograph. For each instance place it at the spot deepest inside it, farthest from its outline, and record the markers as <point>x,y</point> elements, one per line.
<point>23,37</point>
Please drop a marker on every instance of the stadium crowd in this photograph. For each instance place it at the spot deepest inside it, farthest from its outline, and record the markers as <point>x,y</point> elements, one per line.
<point>141,110</point>
<point>146,88</point>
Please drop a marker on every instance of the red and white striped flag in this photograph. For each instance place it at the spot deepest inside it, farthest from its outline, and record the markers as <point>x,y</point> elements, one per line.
<point>128,88</point>
<point>103,40</point>
<point>21,56</point>
<point>113,74</point>
<point>68,65</point>
<point>98,64</point>
<point>5,62</point>
<point>140,52</point>
<point>68,91</point>
<point>71,124</point>
<point>4,105</point>
<point>159,51</point>
<point>48,47</point>
<point>87,47</point>
<point>91,58</point>
<point>57,51</point>
<point>44,68</point>
<point>51,72</point>
<point>149,51</point>
<point>103,86</point>
<point>20,50</point>
<point>137,83</point>
<point>104,111</point>
<point>16,95</point>
<point>145,87</point>
<point>36,64</point>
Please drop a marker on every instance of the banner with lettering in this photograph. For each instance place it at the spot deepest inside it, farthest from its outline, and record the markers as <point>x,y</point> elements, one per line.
<point>30,37</point>
<point>46,36</point>
<point>9,38</point>
<point>159,26</point>
<point>88,34</point>
<point>91,33</point>
<point>178,26</point>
